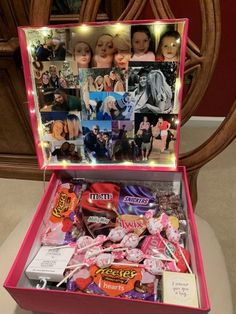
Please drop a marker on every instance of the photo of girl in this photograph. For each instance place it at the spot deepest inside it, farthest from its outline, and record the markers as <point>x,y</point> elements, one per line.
<point>141,93</point>
<point>104,52</point>
<point>82,54</point>
<point>141,44</point>
<point>56,132</point>
<point>108,109</point>
<point>99,83</point>
<point>122,54</point>
<point>160,93</point>
<point>163,126</point>
<point>169,47</point>
<point>72,127</point>
<point>144,125</point>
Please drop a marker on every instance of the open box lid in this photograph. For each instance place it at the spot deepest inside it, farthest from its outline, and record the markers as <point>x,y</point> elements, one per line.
<point>102,94</point>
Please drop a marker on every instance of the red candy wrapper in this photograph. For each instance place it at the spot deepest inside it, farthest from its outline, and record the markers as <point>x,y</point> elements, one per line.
<point>99,203</point>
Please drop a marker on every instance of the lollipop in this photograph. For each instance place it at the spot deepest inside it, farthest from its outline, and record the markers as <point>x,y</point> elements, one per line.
<point>83,243</point>
<point>77,267</point>
<point>136,255</point>
<point>87,242</point>
<point>156,225</point>
<point>104,260</point>
<point>129,241</point>
<point>153,266</point>
<point>88,260</point>
<point>116,234</point>
<point>174,236</point>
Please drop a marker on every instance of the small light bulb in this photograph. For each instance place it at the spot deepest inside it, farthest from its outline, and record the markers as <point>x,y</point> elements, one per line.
<point>64,163</point>
<point>119,26</point>
<point>84,28</point>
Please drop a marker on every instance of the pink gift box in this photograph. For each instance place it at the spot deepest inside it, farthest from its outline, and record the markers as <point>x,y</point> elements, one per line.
<point>60,302</point>
<point>63,302</point>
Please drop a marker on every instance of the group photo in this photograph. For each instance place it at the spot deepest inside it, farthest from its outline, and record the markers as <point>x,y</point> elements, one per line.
<point>155,137</point>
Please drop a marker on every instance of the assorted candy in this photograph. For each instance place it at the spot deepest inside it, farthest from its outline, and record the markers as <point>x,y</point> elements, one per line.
<point>124,237</point>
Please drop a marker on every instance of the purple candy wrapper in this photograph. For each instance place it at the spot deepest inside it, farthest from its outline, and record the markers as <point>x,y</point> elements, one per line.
<point>136,200</point>
<point>137,295</point>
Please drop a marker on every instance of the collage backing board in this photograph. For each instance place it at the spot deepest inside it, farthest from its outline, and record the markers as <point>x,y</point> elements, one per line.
<point>105,93</point>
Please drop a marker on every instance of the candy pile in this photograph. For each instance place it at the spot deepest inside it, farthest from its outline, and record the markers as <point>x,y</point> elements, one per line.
<point>124,237</point>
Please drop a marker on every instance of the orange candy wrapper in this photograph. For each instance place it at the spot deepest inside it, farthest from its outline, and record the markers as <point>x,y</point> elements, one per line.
<point>65,203</point>
<point>116,280</point>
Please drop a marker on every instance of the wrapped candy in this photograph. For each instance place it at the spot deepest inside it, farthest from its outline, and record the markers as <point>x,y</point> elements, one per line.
<point>87,242</point>
<point>130,240</point>
<point>156,225</point>
<point>136,255</point>
<point>116,234</point>
<point>63,225</point>
<point>174,236</point>
<point>136,200</point>
<point>99,204</point>
<point>154,266</point>
<point>152,245</point>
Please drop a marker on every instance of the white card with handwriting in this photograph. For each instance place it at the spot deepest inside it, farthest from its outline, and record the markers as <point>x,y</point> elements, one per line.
<point>180,289</point>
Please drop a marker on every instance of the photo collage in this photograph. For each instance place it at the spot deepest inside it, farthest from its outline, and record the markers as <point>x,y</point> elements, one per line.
<point>107,94</point>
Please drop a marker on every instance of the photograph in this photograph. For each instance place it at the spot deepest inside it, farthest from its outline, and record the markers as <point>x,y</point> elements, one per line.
<point>58,74</point>
<point>101,47</point>
<point>155,137</point>
<point>152,86</point>
<point>142,43</point>
<point>48,44</point>
<point>110,106</point>
<point>122,129</point>
<point>168,40</point>
<point>59,129</point>
<point>102,80</point>
<point>122,140</point>
<point>61,126</point>
<point>62,100</point>
<point>68,151</point>
<point>97,141</point>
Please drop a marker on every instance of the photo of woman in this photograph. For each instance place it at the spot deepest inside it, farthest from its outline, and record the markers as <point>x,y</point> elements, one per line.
<point>155,91</point>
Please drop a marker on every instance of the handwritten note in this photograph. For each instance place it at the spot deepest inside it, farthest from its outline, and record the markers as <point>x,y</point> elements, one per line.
<point>180,289</point>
